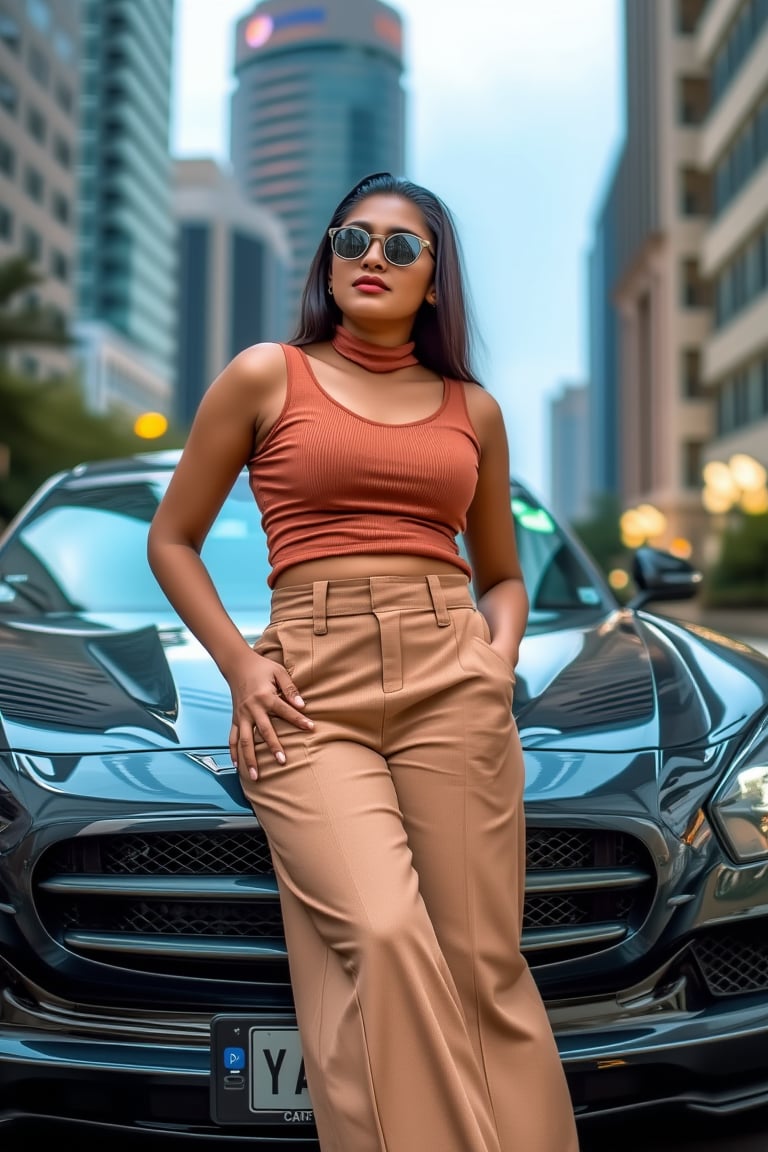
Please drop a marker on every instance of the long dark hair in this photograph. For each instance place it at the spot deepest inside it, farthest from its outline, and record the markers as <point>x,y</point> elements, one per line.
<point>442,334</point>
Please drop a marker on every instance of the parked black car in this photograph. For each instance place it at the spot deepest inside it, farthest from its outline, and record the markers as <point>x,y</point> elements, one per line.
<point>142,963</point>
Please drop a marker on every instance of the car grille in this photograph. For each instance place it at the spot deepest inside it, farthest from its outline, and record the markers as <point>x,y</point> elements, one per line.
<point>205,903</point>
<point>733,960</point>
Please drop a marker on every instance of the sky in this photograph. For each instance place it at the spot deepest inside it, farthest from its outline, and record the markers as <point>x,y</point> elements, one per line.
<point>514,118</point>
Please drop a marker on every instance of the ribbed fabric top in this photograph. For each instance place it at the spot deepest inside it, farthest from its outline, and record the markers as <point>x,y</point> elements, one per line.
<point>331,483</point>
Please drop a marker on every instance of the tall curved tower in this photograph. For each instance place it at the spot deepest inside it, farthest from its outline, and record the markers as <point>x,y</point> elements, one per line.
<point>318,104</point>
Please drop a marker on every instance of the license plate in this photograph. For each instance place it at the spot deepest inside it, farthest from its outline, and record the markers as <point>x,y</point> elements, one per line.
<point>257,1073</point>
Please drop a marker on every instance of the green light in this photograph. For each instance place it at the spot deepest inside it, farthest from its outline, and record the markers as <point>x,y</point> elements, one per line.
<point>534,519</point>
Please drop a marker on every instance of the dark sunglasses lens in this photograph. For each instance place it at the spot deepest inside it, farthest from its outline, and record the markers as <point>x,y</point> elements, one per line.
<point>402,248</point>
<point>350,243</point>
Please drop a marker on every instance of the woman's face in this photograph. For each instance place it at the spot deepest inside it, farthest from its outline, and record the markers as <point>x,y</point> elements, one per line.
<point>370,287</point>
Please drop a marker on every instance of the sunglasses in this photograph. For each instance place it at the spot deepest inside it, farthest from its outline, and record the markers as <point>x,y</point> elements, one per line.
<point>401,248</point>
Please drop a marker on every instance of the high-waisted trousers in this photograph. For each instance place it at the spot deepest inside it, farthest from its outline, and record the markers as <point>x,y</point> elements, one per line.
<point>396,828</point>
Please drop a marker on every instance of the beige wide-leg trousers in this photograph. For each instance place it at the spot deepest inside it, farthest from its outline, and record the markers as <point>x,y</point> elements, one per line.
<point>396,829</point>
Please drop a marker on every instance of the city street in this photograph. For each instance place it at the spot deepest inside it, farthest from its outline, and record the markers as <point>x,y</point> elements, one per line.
<point>658,1132</point>
<point>662,1132</point>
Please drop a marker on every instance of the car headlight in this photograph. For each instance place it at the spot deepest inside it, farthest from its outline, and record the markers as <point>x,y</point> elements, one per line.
<point>740,806</point>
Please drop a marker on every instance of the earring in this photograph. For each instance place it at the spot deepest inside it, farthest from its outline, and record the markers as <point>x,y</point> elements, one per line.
<point>330,288</point>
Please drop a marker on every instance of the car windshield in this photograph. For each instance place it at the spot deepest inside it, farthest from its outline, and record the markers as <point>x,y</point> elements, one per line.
<point>83,549</point>
<point>558,576</point>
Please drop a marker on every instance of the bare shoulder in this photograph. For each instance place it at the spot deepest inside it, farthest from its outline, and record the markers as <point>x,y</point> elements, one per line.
<point>484,411</point>
<point>257,369</point>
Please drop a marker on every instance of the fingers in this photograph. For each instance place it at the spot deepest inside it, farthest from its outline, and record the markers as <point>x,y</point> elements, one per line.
<point>287,688</point>
<point>256,730</point>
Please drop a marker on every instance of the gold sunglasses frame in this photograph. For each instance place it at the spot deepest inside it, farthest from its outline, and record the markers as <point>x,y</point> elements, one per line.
<point>378,236</point>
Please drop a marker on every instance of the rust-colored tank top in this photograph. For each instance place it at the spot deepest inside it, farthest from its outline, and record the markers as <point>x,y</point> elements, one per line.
<point>331,483</point>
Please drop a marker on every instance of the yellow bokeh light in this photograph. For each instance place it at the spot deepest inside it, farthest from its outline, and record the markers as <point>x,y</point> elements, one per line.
<point>715,500</point>
<point>719,478</point>
<point>754,501</point>
<point>681,547</point>
<point>640,524</point>
<point>618,578</point>
<point>749,474</point>
<point>150,425</point>
<point>654,521</point>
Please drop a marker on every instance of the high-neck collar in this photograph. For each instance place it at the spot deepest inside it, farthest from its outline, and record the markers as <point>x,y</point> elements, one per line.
<point>372,357</point>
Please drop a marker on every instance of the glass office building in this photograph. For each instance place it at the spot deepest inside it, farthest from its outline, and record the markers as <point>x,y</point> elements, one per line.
<point>233,257</point>
<point>39,82</point>
<point>318,104</point>
<point>127,266</point>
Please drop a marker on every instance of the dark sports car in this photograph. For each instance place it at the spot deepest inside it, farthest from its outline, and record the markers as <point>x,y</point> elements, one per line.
<point>143,979</point>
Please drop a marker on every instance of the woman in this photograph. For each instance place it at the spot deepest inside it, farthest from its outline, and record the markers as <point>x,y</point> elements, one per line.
<point>392,797</point>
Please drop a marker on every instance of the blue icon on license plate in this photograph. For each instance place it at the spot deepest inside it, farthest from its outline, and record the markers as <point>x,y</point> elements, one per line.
<point>234,1059</point>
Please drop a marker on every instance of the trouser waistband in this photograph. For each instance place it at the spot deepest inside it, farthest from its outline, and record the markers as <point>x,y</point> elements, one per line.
<point>325,598</point>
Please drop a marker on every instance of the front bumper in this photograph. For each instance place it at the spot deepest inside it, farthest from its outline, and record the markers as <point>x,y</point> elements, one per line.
<point>126,1074</point>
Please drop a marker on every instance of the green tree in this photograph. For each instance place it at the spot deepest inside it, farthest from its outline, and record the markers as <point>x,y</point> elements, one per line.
<point>600,533</point>
<point>739,578</point>
<point>45,425</point>
<point>29,324</point>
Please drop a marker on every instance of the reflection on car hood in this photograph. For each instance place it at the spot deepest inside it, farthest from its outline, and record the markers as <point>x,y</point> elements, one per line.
<point>624,683</point>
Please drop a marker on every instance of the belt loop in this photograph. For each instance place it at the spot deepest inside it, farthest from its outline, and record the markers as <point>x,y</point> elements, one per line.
<point>319,602</point>
<point>438,601</point>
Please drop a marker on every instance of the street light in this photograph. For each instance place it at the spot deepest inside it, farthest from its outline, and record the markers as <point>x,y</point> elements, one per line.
<point>739,483</point>
<point>641,524</point>
<point>150,425</point>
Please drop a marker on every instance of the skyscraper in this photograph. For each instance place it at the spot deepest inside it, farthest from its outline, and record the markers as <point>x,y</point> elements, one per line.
<point>651,230</point>
<point>233,256</point>
<point>318,104</point>
<point>127,269</point>
<point>733,43</point>
<point>39,82</point>
<point>684,264</point>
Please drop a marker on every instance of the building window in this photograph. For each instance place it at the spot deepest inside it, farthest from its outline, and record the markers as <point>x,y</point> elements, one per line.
<point>9,96</point>
<point>744,33</point>
<point>60,208</point>
<point>692,463</point>
<point>741,399</point>
<point>746,153</point>
<point>762,261</point>
<point>62,151</point>
<point>743,279</point>
<point>34,185</point>
<point>9,32</point>
<point>64,97</point>
<point>694,192</point>
<point>63,46</point>
<point>7,159</point>
<point>39,66</point>
<point>693,386</point>
<point>688,13</point>
<point>6,223</point>
<point>36,124</point>
<point>33,245</point>
<point>59,266</point>
<point>39,14</point>
<point>695,292</point>
<point>693,99</point>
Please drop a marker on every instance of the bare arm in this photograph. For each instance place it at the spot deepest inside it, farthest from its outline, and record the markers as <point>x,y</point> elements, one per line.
<point>490,533</point>
<point>220,442</point>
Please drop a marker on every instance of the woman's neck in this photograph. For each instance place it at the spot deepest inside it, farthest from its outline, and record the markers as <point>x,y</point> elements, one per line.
<point>372,357</point>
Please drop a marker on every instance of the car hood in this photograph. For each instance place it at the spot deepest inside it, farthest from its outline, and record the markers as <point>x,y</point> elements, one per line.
<point>625,682</point>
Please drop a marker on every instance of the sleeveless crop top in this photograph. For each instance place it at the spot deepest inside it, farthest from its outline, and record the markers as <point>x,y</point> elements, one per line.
<point>331,483</point>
